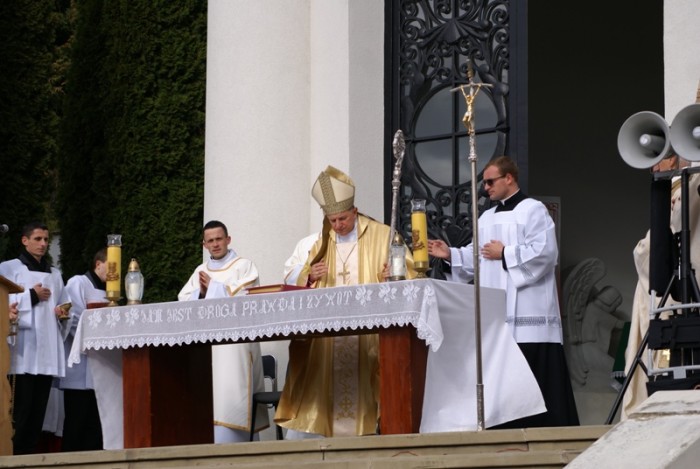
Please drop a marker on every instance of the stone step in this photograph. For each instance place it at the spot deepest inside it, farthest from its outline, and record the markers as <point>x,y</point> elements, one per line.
<point>539,459</point>
<point>534,447</point>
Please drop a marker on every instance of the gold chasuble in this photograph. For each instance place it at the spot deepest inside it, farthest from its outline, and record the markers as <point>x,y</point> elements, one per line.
<point>332,385</point>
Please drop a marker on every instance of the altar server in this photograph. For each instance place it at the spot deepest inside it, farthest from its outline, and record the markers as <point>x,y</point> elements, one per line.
<point>37,355</point>
<point>236,368</point>
<point>82,430</point>
<point>519,254</point>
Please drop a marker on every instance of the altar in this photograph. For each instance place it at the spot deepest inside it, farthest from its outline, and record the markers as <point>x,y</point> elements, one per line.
<point>164,383</point>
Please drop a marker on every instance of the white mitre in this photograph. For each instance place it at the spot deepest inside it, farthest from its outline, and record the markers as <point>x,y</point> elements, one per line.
<point>334,191</point>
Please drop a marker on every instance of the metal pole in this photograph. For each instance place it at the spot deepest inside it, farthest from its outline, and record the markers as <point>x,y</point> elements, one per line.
<point>468,121</point>
<point>477,293</point>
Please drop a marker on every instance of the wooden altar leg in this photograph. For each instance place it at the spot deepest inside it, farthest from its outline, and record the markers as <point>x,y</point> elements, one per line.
<point>402,360</point>
<point>167,396</point>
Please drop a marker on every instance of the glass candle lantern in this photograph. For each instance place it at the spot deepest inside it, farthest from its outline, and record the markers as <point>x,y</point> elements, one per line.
<point>397,258</point>
<point>133,283</point>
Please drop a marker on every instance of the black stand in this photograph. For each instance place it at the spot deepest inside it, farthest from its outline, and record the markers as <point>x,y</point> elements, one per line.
<point>665,333</point>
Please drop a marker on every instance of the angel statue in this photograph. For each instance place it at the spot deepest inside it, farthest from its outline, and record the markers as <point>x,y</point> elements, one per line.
<point>592,326</point>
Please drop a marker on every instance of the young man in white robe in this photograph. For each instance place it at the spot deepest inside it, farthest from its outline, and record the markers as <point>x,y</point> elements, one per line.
<point>37,355</point>
<point>519,254</point>
<point>236,368</point>
<point>82,430</point>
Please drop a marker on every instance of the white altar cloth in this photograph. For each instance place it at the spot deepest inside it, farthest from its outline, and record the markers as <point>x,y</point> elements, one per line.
<point>442,313</point>
<point>260,317</point>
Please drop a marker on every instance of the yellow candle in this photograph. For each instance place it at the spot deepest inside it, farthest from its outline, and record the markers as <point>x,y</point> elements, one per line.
<point>419,234</point>
<point>114,267</point>
<point>114,275</point>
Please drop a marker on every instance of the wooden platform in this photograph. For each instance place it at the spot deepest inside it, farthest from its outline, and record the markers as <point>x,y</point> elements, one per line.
<point>537,447</point>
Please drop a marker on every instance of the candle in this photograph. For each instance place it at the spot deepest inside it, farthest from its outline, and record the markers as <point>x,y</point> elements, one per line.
<point>114,263</point>
<point>419,231</point>
<point>133,292</point>
<point>114,266</point>
<point>397,256</point>
<point>398,266</point>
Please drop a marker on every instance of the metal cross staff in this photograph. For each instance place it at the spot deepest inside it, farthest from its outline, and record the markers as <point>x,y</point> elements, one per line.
<point>399,147</point>
<point>468,120</point>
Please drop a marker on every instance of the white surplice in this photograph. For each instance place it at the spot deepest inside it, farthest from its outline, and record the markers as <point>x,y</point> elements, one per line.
<point>81,291</point>
<point>38,348</point>
<point>531,254</point>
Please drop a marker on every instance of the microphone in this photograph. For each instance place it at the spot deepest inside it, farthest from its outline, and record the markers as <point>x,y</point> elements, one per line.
<point>4,228</point>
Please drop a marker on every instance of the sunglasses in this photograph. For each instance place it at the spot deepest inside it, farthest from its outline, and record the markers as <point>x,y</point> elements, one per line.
<point>489,182</point>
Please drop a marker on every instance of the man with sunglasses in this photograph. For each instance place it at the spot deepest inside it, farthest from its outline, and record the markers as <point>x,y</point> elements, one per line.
<point>518,254</point>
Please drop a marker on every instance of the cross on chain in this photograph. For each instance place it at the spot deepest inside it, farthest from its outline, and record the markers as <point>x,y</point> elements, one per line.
<point>345,273</point>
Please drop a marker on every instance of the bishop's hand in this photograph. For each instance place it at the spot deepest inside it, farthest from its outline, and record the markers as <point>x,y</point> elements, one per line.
<point>317,271</point>
<point>385,272</point>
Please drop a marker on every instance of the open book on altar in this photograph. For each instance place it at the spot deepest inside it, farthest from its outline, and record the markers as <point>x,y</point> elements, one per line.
<point>276,288</point>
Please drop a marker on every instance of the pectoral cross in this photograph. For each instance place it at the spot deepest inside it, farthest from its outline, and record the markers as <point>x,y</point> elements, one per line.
<point>345,273</point>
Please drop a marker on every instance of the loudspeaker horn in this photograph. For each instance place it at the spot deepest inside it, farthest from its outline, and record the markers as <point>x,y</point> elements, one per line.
<point>685,132</point>
<point>643,140</point>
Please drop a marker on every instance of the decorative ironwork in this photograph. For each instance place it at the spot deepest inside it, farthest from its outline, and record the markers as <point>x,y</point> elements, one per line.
<point>436,40</point>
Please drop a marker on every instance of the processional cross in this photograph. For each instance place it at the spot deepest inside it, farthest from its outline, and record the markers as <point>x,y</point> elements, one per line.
<point>468,120</point>
<point>469,97</point>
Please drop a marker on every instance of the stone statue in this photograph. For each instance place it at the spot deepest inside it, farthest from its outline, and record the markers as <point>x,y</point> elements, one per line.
<point>592,326</point>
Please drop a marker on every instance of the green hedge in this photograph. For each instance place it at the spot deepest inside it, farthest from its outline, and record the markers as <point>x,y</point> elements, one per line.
<point>132,138</point>
<point>31,71</point>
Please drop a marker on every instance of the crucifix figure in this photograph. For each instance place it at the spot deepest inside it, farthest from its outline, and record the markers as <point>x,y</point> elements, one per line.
<point>469,97</point>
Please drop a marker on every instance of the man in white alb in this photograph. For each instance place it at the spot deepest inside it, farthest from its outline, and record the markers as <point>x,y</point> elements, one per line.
<point>236,368</point>
<point>82,429</point>
<point>519,254</point>
<point>37,355</point>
